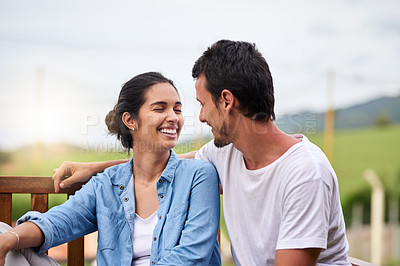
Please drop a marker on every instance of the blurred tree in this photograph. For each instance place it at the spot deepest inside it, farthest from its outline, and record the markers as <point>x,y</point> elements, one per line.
<point>4,157</point>
<point>383,120</point>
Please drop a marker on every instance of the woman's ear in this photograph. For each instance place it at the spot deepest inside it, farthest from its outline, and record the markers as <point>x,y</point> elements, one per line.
<point>128,121</point>
<point>228,99</point>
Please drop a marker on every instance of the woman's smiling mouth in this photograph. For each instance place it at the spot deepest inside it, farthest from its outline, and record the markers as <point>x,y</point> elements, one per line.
<point>169,131</point>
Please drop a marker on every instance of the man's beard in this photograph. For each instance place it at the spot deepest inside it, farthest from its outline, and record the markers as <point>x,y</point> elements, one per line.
<point>222,139</point>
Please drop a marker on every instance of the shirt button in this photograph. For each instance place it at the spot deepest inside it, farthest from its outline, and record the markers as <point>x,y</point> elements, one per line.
<point>159,217</point>
<point>153,262</point>
<point>121,187</point>
<point>161,196</point>
<point>160,181</point>
<point>126,199</point>
<point>155,238</point>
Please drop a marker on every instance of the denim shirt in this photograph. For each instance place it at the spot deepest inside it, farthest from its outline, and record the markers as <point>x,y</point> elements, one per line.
<point>188,213</point>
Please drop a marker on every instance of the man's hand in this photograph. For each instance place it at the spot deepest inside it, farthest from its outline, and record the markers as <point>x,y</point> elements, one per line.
<point>71,172</point>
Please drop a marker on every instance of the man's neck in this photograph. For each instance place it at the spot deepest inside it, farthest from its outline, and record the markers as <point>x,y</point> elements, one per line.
<point>262,143</point>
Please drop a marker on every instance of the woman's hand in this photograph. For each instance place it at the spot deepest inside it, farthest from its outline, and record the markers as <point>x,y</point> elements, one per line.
<point>72,172</point>
<point>8,242</point>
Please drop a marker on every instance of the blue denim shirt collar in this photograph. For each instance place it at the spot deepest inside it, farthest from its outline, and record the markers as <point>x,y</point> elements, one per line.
<point>123,176</point>
<point>169,171</point>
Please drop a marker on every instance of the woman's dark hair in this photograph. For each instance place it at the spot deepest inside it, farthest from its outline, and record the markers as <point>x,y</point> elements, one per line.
<point>240,68</point>
<point>131,98</point>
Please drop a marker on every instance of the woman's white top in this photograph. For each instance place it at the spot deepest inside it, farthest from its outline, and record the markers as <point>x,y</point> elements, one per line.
<point>142,239</point>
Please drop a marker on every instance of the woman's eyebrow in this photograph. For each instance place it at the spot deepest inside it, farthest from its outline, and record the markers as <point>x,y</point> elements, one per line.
<point>164,103</point>
<point>159,102</point>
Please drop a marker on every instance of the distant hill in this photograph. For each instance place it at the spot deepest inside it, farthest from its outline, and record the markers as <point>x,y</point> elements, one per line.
<point>357,116</point>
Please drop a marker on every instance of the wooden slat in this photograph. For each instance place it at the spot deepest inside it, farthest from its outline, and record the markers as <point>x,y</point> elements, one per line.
<point>75,252</point>
<point>5,207</point>
<point>75,256</point>
<point>219,236</point>
<point>29,184</point>
<point>39,202</point>
<point>38,187</point>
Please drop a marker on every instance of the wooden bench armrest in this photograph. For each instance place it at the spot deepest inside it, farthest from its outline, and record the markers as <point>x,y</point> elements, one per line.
<point>39,187</point>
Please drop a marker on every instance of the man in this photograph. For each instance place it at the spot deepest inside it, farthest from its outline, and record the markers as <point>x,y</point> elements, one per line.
<point>281,198</point>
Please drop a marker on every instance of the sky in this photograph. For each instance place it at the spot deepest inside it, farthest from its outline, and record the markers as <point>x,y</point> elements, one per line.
<point>62,63</point>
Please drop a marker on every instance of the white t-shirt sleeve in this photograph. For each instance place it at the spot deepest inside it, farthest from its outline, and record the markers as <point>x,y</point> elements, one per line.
<point>206,152</point>
<point>305,216</point>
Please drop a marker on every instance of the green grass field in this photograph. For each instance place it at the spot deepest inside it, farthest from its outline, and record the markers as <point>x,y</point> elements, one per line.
<point>357,150</point>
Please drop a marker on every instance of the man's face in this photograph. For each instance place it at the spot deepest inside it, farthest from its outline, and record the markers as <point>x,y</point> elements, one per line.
<point>211,114</point>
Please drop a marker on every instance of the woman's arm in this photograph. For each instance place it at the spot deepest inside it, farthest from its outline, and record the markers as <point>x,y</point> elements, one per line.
<point>74,218</point>
<point>25,235</point>
<point>198,239</point>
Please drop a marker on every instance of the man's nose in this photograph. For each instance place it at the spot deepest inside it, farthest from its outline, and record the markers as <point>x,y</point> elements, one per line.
<point>201,116</point>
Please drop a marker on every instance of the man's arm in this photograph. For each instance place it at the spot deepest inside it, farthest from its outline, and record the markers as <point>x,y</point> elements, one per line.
<point>73,172</point>
<point>297,257</point>
<point>188,155</point>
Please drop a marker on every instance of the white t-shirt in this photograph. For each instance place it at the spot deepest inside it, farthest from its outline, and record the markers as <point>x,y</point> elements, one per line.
<point>293,203</point>
<point>142,238</point>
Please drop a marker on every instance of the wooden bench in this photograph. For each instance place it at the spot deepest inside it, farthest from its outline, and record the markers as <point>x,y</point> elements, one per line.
<point>39,188</point>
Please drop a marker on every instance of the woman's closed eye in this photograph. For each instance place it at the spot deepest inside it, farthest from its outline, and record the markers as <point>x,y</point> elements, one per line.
<point>159,109</point>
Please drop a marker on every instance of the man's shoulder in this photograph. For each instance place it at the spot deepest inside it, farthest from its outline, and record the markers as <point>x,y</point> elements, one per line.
<point>307,163</point>
<point>209,149</point>
<point>195,165</point>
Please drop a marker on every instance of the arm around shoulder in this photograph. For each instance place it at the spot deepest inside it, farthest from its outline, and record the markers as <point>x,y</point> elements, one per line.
<point>74,172</point>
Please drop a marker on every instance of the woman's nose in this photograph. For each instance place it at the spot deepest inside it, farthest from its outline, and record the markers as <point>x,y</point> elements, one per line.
<point>172,116</point>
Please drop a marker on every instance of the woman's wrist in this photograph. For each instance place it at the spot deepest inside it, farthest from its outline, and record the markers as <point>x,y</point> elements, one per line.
<point>17,237</point>
<point>9,241</point>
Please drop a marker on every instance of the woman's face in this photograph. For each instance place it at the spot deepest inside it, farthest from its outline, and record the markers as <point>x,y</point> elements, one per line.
<point>160,119</point>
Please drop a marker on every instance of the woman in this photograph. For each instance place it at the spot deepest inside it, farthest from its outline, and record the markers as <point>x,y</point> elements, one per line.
<point>155,209</point>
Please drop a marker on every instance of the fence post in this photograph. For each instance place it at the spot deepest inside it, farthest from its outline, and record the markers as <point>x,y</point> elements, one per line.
<point>377,215</point>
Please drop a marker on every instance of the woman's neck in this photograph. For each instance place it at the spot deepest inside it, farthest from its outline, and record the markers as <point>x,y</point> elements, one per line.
<point>148,166</point>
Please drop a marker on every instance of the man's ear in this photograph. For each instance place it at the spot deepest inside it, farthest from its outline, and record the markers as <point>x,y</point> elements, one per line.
<point>228,99</point>
<point>128,121</point>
